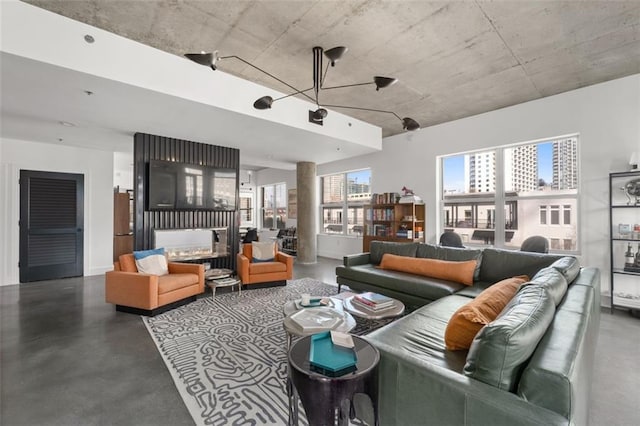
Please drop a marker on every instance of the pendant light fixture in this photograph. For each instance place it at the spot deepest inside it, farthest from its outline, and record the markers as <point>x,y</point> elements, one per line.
<point>333,55</point>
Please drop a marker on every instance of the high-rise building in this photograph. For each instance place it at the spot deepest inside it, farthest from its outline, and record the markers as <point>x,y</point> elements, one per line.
<point>479,172</point>
<point>565,164</point>
<point>521,166</point>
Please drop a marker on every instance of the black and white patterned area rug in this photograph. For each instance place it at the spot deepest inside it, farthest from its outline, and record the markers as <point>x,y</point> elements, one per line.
<point>227,355</point>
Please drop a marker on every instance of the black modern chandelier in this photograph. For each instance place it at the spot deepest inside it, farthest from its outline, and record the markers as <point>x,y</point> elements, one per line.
<point>334,55</point>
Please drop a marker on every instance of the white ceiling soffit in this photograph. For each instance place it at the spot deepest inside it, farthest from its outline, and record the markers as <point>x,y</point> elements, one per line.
<point>48,68</point>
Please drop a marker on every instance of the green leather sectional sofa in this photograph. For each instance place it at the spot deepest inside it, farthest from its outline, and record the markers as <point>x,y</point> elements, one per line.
<point>531,366</point>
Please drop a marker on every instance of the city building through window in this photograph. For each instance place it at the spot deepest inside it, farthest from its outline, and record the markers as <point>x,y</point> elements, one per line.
<point>342,202</point>
<point>274,206</point>
<point>501,196</point>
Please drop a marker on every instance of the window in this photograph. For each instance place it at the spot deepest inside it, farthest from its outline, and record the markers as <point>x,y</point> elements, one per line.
<point>274,206</point>
<point>343,198</point>
<point>543,215</point>
<point>504,195</point>
<point>246,209</point>
<point>555,215</point>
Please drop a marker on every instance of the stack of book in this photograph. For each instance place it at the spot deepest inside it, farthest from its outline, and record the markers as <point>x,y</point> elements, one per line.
<point>372,301</point>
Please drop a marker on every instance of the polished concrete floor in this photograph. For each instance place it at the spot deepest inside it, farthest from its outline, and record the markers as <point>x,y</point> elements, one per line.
<point>67,358</point>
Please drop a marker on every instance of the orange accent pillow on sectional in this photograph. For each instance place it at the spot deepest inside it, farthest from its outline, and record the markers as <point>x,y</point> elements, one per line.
<point>128,263</point>
<point>469,319</point>
<point>459,272</point>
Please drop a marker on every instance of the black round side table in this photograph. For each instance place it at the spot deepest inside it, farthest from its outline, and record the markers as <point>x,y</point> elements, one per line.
<point>324,398</point>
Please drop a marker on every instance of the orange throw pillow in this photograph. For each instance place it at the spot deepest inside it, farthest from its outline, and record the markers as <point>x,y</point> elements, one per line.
<point>459,272</point>
<point>128,263</point>
<point>469,319</point>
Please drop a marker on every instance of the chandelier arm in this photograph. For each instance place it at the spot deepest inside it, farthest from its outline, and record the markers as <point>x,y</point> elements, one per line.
<point>299,92</point>
<point>269,74</point>
<point>363,109</point>
<point>348,85</point>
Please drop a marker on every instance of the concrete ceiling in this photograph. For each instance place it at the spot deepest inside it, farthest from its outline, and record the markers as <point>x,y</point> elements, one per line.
<point>453,58</point>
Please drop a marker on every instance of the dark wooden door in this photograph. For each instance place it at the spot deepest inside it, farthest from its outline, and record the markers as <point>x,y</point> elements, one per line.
<point>51,225</point>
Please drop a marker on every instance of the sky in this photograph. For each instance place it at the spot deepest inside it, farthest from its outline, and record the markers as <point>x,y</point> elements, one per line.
<point>453,168</point>
<point>363,176</point>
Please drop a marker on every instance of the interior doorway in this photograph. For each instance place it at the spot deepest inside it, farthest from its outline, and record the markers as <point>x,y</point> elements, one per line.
<point>51,225</point>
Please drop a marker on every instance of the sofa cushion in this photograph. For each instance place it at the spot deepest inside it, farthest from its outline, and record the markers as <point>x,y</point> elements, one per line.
<point>171,282</point>
<point>263,251</point>
<point>379,248</point>
<point>498,264</point>
<point>420,335</point>
<point>416,285</point>
<point>552,281</point>
<point>469,319</point>
<point>568,266</point>
<point>501,349</point>
<point>152,262</point>
<point>127,263</point>
<point>267,267</point>
<point>459,272</point>
<point>451,254</point>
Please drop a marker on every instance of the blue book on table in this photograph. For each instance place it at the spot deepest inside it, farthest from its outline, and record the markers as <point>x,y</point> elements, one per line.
<point>329,359</point>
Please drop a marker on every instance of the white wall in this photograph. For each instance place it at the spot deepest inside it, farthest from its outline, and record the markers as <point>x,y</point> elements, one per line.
<point>97,168</point>
<point>123,170</point>
<point>606,116</point>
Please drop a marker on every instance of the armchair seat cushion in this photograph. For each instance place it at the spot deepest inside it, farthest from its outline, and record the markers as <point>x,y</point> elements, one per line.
<point>267,267</point>
<point>171,282</point>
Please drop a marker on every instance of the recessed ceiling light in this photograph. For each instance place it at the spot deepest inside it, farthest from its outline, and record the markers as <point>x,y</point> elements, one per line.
<point>67,124</point>
<point>89,38</point>
<point>60,139</point>
<point>88,92</point>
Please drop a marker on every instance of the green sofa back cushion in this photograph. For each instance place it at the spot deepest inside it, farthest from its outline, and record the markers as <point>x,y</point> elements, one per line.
<point>501,349</point>
<point>378,248</point>
<point>552,281</point>
<point>451,254</point>
<point>498,264</point>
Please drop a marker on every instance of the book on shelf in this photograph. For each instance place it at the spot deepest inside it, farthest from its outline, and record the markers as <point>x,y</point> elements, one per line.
<point>371,308</point>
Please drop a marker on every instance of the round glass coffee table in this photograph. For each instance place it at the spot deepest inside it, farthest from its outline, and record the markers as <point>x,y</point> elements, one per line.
<point>221,278</point>
<point>396,309</point>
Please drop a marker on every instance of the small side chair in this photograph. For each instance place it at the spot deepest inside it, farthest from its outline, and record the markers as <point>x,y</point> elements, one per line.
<point>535,244</point>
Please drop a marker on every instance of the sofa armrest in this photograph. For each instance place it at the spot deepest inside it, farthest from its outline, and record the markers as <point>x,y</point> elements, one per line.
<point>410,387</point>
<point>356,259</point>
<point>131,289</point>
<point>288,260</point>
<point>243,267</point>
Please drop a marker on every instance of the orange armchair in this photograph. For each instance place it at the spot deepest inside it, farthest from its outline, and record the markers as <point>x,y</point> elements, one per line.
<point>264,274</point>
<point>146,294</point>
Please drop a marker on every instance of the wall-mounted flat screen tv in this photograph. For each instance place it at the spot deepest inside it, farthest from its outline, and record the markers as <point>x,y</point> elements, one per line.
<point>183,186</point>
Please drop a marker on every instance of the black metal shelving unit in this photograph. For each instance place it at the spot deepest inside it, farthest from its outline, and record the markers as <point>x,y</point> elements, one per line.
<point>618,204</point>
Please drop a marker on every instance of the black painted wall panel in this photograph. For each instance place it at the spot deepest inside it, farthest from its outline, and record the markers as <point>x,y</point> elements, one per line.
<point>148,147</point>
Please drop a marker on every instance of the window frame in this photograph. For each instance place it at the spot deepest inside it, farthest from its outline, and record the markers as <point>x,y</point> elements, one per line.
<point>501,197</point>
<point>274,187</point>
<point>344,206</point>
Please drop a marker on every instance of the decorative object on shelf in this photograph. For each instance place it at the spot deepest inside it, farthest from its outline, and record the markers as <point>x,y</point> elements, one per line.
<point>319,77</point>
<point>632,191</point>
